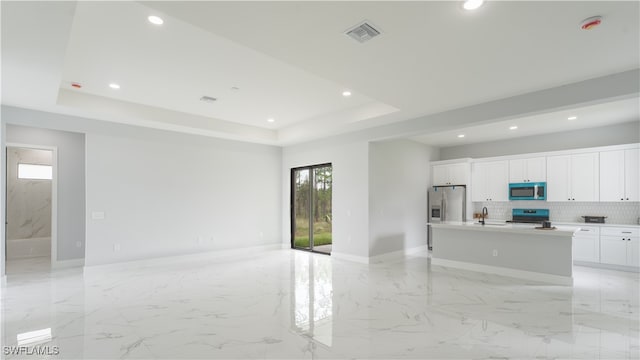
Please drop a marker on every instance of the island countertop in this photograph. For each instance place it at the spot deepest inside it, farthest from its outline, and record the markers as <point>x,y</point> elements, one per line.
<point>518,228</point>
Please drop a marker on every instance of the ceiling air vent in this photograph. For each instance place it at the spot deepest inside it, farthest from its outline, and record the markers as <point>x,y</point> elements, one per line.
<point>363,32</point>
<point>208,99</point>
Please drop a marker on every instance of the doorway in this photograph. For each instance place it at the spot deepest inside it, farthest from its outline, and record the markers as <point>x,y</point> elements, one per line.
<point>30,215</point>
<point>311,201</point>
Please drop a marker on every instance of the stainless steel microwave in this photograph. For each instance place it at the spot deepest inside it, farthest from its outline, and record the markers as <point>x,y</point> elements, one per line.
<point>528,191</point>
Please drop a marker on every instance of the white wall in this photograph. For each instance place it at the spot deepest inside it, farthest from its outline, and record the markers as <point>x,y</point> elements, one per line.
<point>399,176</point>
<point>166,193</point>
<point>162,199</point>
<point>71,180</point>
<point>350,191</point>
<point>625,133</point>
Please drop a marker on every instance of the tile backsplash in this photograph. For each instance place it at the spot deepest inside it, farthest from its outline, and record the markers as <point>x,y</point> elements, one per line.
<point>616,212</point>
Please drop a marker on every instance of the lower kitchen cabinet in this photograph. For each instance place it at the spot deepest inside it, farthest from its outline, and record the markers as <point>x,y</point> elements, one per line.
<point>586,244</point>
<point>620,246</point>
<point>613,250</point>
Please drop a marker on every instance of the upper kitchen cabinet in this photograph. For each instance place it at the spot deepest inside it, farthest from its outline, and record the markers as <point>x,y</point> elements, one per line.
<point>528,170</point>
<point>620,175</point>
<point>490,181</point>
<point>573,177</point>
<point>451,174</point>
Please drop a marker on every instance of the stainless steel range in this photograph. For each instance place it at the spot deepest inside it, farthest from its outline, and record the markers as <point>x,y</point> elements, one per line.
<point>529,215</point>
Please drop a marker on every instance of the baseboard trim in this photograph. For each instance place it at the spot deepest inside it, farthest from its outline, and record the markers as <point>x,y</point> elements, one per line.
<point>607,266</point>
<point>349,257</point>
<point>502,271</point>
<point>99,268</point>
<point>65,264</point>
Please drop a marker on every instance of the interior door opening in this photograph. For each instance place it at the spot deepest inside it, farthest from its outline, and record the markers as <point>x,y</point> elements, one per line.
<point>311,200</point>
<point>30,229</point>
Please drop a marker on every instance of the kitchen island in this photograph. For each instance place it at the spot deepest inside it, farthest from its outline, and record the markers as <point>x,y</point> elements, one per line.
<point>515,250</point>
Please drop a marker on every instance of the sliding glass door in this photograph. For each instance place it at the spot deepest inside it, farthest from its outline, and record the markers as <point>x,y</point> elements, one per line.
<point>311,195</point>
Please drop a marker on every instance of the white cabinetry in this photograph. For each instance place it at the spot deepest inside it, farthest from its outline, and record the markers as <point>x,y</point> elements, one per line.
<point>586,244</point>
<point>528,170</point>
<point>620,246</point>
<point>451,174</point>
<point>573,177</point>
<point>620,175</point>
<point>490,181</point>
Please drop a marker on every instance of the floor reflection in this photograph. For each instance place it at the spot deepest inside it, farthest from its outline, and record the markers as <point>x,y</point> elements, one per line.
<point>298,305</point>
<point>312,292</point>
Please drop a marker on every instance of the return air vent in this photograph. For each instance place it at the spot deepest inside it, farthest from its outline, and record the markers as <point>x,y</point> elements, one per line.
<point>208,99</point>
<point>363,32</point>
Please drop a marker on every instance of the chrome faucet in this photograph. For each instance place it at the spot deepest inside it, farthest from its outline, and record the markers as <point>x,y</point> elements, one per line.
<point>485,212</point>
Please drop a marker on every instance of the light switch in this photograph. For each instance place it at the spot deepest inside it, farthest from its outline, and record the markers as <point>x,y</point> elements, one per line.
<point>97,215</point>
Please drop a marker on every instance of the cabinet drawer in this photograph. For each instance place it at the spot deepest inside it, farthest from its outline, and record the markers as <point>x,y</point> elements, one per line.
<point>620,231</point>
<point>588,231</point>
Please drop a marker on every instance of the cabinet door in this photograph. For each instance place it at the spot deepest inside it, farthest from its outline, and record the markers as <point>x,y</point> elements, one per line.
<point>586,248</point>
<point>458,173</point>
<point>585,177</point>
<point>558,177</point>
<point>632,174</point>
<point>479,182</point>
<point>440,175</point>
<point>613,250</point>
<point>612,175</point>
<point>517,171</point>
<point>536,169</point>
<point>498,181</point>
<point>633,250</point>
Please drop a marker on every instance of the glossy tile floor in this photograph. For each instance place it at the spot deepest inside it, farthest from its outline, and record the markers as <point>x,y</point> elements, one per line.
<point>296,305</point>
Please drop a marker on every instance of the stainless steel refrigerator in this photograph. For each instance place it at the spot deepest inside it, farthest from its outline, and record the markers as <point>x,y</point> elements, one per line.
<point>446,203</point>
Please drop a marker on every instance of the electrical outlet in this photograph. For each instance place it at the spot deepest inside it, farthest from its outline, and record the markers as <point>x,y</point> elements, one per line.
<point>78,244</point>
<point>261,234</point>
<point>116,247</point>
<point>200,239</point>
<point>495,252</point>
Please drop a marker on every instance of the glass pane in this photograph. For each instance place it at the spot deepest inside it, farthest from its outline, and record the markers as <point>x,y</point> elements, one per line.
<point>321,210</point>
<point>301,208</point>
<point>35,172</point>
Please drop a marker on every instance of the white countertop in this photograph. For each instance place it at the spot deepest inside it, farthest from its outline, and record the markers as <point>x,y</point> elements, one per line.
<point>501,226</point>
<point>595,224</point>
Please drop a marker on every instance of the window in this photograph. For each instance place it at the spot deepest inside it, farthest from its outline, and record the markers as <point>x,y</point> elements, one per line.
<point>35,172</point>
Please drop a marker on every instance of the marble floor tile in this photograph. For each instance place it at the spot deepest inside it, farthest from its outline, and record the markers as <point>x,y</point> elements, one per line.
<point>297,305</point>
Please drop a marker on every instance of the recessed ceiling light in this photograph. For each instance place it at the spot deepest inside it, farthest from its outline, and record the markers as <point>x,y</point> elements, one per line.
<point>208,99</point>
<point>572,117</point>
<point>271,120</point>
<point>155,20</point>
<point>472,4</point>
<point>461,135</point>
<point>346,93</point>
<point>513,127</point>
<point>114,86</point>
